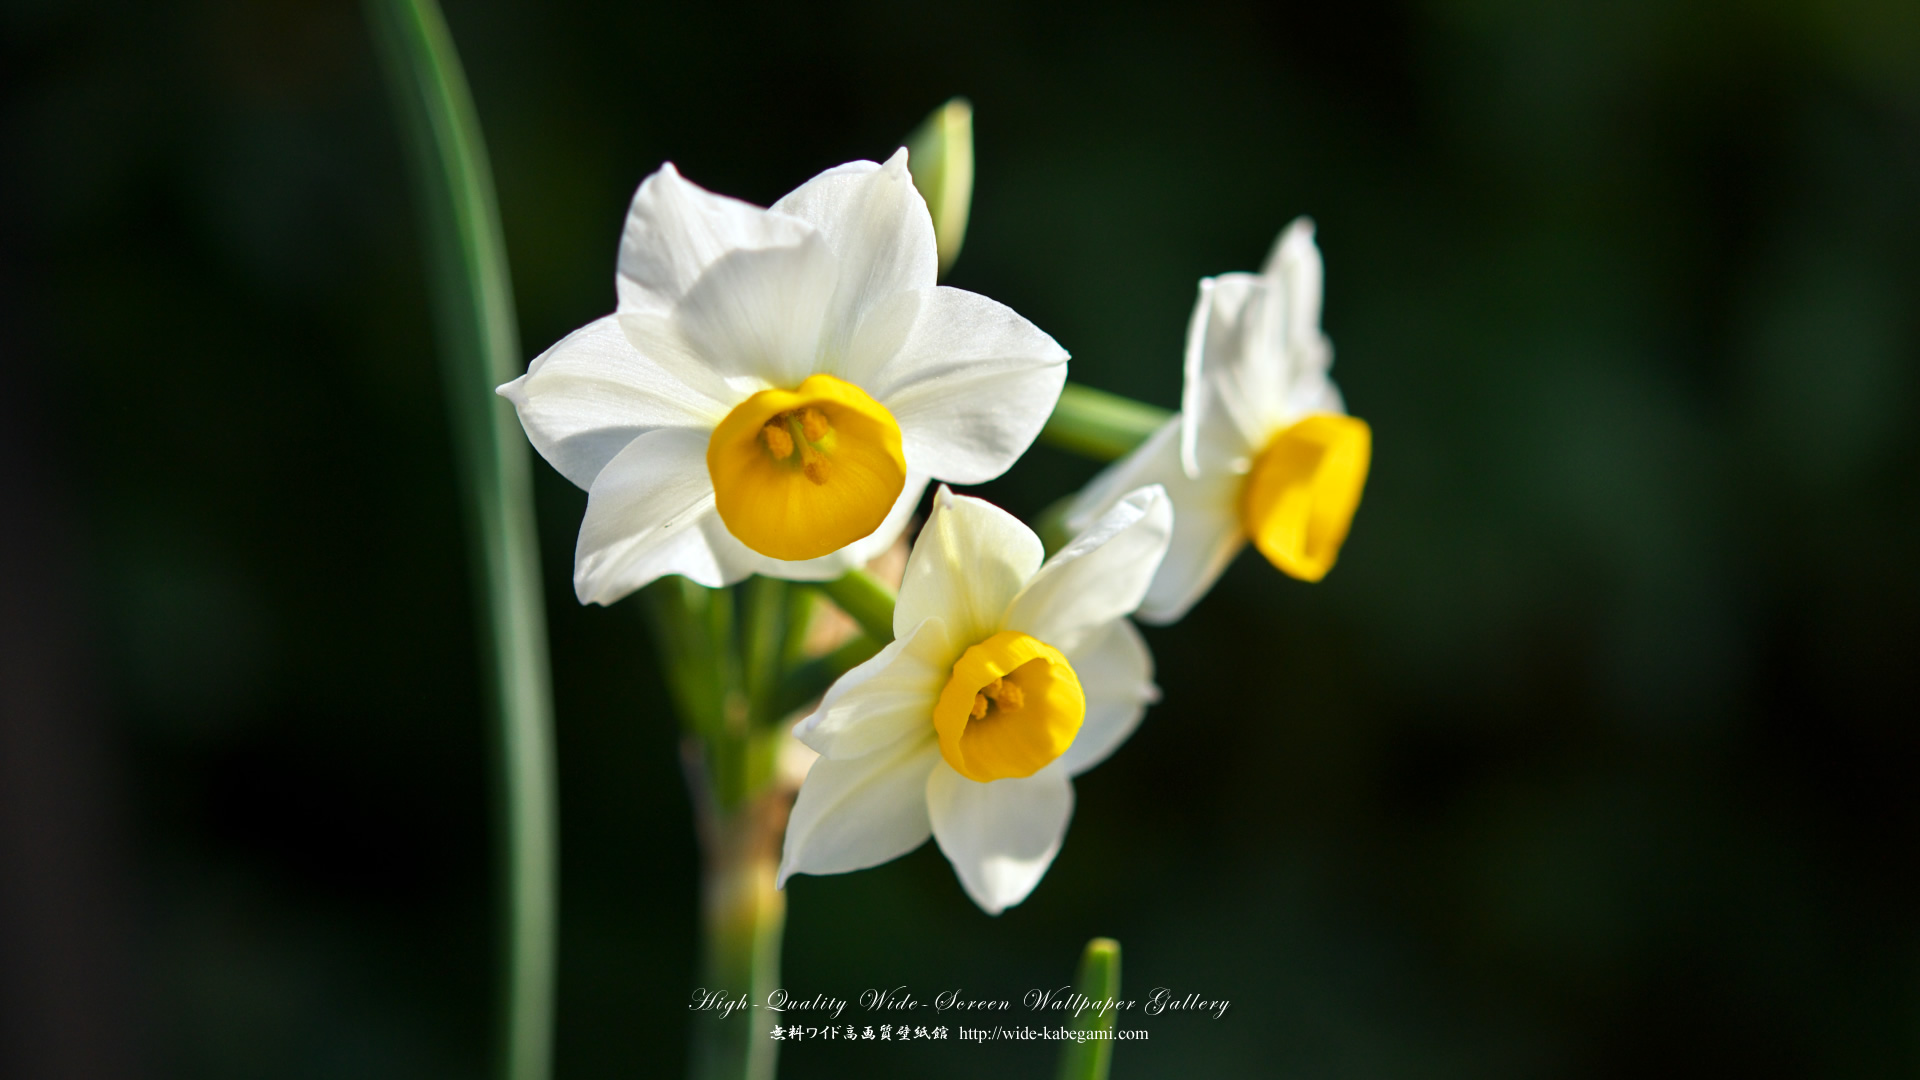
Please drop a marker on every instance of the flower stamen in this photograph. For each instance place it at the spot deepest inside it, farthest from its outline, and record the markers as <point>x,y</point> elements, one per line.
<point>802,430</point>
<point>1000,694</point>
<point>814,464</point>
<point>778,443</point>
<point>813,424</point>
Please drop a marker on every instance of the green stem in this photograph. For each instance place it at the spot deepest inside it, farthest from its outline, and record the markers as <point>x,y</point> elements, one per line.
<point>480,349</point>
<point>729,678</point>
<point>763,643</point>
<point>806,681</point>
<point>742,917</point>
<point>1100,425</point>
<point>865,599</point>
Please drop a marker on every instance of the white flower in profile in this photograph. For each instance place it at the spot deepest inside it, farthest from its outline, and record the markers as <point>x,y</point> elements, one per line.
<point>1262,448</point>
<point>777,385</point>
<point>1006,679</point>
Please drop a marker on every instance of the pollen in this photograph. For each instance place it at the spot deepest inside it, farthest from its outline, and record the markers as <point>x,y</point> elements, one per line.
<point>813,423</point>
<point>776,439</point>
<point>814,465</point>
<point>803,430</point>
<point>1009,697</point>
<point>1002,694</point>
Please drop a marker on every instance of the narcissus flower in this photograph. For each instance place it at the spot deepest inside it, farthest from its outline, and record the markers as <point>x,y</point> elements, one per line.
<point>777,385</point>
<point>1262,448</point>
<point>1006,679</point>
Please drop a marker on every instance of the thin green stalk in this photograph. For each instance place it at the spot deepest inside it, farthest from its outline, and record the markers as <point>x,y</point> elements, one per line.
<point>479,345</point>
<point>1100,425</point>
<point>799,617</point>
<point>681,650</point>
<point>1098,982</point>
<point>806,681</point>
<point>865,599</point>
<point>764,642</point>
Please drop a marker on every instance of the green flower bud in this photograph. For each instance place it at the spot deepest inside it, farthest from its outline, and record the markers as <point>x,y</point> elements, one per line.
<point>940,156</point>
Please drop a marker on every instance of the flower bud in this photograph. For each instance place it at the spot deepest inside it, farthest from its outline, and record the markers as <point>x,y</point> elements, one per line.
<point>940,156</point>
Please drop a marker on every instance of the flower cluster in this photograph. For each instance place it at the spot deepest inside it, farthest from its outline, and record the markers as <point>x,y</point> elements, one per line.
<point>777,386</point>
<point>774,392</point>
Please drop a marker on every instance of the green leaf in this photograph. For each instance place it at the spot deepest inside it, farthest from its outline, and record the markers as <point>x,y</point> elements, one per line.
<point>1100,425</point>
<point>1099,982</point>
<point>480,349</point>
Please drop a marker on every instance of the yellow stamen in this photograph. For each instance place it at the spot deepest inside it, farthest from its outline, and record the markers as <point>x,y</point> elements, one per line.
<point>1009,697</point>
<point>778,442</point>
<point>1012,705</point>
<point>814,464</point>
<point>802,473</point>
<point>998,693</point>
<point>814,423</point>
<point>1304,488</point>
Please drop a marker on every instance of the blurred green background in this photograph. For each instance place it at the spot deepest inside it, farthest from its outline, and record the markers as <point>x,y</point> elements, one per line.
<point>1594,757</point>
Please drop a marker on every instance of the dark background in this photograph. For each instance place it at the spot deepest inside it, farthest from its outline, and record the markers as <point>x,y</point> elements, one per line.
<point>1594,757</point>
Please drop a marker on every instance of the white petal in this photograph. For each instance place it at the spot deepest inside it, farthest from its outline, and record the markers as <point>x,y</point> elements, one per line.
<point>1146,464</point>
<point>882,333</point>
<point>1206,520</point>
<point>1295,275</point>
<point>968,563</point>
<point>1116,672</point>
<point>971,386</point>
<point>877,226</point>
<point>1206,537</point>
<point>1000,837</point>
<point>1101,575</point>
<point>758,315</point>
<point>658,337</point>
<point>734,554</point>
<point>888,698</point>
<point>590,394</point>
<point>676,229</point>
<point>650,513</point>
<point>1233,380</point>
<point>860,812</point>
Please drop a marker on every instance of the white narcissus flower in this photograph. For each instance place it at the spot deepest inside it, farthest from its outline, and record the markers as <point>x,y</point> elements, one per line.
<point>777,386</point>
<point>1262,448</point>
<point>1006,679</point>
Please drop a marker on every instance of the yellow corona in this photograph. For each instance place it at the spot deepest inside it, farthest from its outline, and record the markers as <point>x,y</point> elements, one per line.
<point>1012,706</point>
<point>1300,497</point>
<point>801,473</point>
